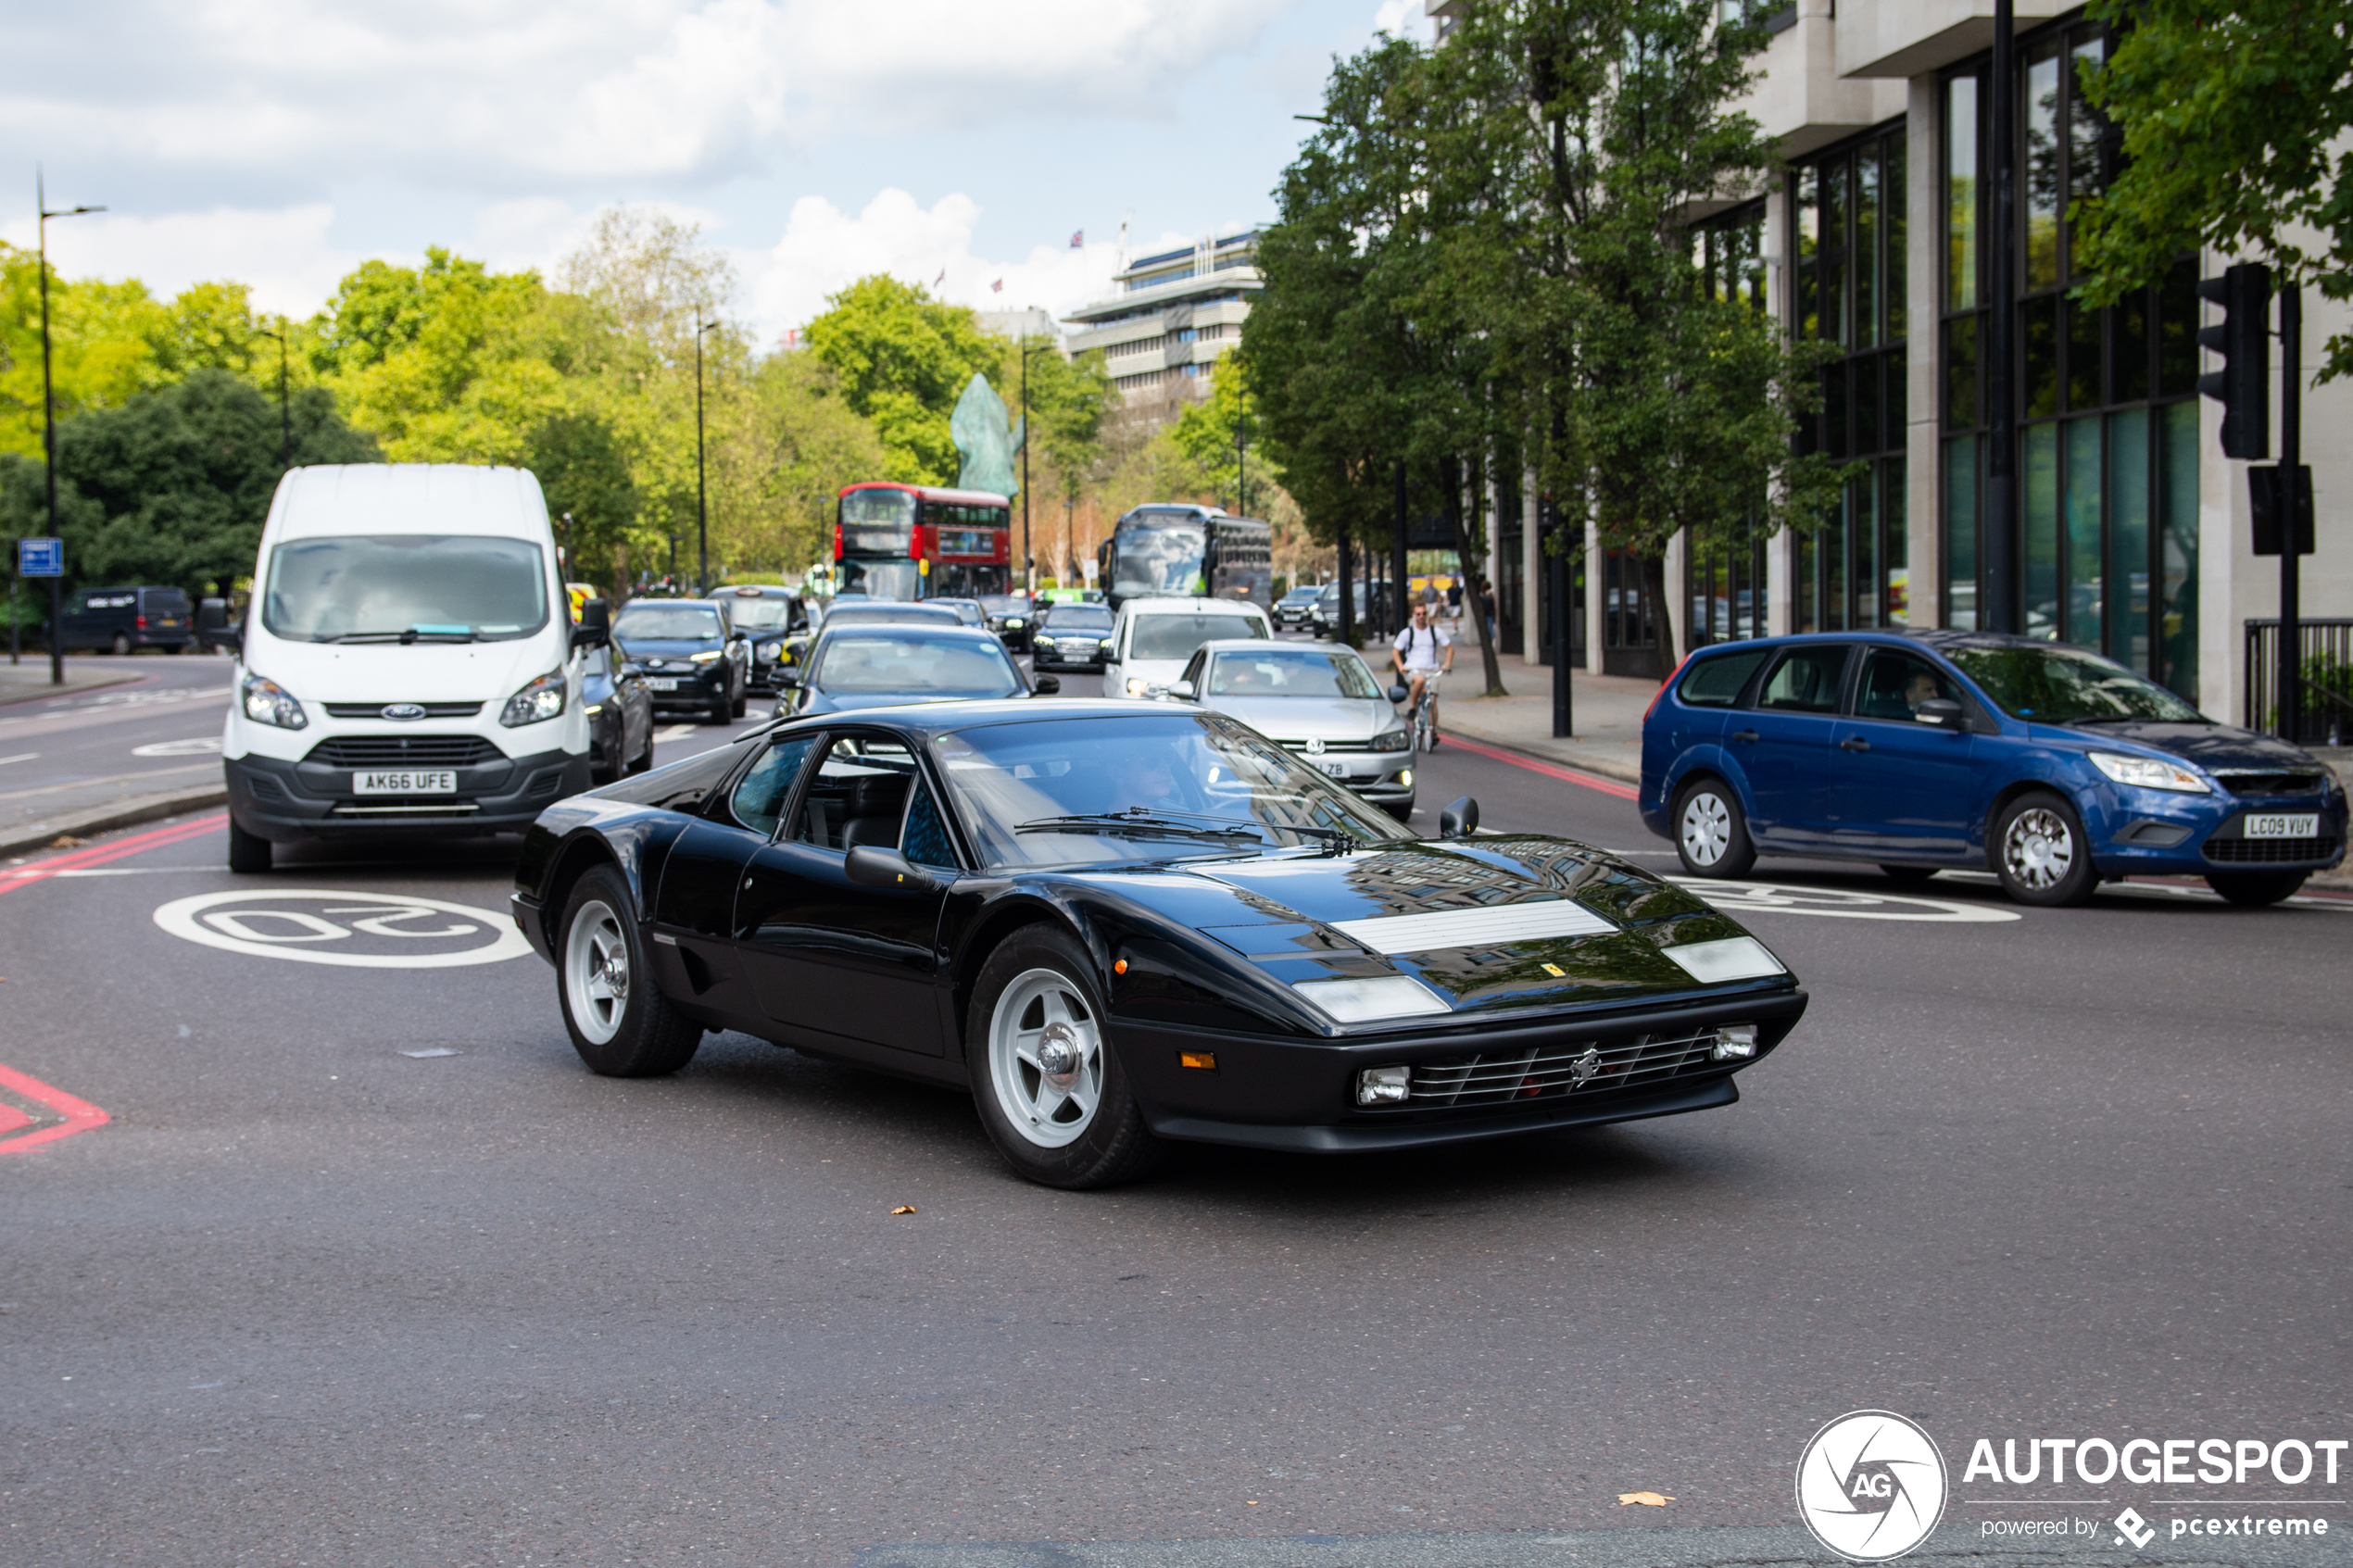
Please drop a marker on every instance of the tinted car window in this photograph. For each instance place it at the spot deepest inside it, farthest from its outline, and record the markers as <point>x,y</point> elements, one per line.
<point>1806,681</point>
<point>1895,685</point>
<point>763,614</point>
<point>759,801</point>
<point>1717,681</point>
<point>925,840</point>
<point>1176,637</point>
<point>857,797</point>
<point>1078,618</point>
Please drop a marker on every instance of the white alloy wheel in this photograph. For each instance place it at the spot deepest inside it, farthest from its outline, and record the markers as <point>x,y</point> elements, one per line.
<point>1046,1058</point>
<point>1706,828</point>
<point>596,973</point>
<point>2039,848</point>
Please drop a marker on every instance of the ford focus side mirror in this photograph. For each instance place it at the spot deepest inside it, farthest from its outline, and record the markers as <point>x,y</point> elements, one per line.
<point>1400,692</point>
<point>1460,820</point>
<point>871,867</point>
<point>1942,712</point>
<point>595,626</point>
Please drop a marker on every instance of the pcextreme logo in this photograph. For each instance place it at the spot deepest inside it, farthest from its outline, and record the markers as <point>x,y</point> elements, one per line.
<point>1871,1485</point>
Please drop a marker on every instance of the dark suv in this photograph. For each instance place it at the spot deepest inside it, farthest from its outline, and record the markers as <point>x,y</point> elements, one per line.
<point>123,619</point>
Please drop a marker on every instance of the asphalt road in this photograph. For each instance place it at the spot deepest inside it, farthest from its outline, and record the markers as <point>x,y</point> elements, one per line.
<point>311,1297</point>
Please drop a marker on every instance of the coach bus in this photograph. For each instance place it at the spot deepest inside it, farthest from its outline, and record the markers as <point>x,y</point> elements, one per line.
<point>915,542</point>
<point>1162,548</point>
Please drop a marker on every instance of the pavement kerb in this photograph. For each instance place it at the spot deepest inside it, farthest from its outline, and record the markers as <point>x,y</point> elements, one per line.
<point>76,682</point>
<point>1568,755</point>
<point>116,814</point>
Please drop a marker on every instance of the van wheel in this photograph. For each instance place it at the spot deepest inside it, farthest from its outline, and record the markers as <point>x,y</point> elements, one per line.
<point>248,852</point>
<point>1711,832</point>
<point>2255,888</point>
<point>122,644</point>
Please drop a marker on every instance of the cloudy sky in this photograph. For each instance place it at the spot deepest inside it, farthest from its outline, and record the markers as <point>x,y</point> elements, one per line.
<point>281,141</point>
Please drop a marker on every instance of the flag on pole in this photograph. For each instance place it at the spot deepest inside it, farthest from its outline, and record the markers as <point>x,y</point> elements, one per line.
<point>997,287</point>
<point>941,278</point>
<point>1078,239</point>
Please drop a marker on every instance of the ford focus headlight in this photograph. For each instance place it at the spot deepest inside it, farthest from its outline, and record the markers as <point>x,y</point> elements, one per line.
<point>543,700</point>
<point>269,703</point>
<point>2149,772</point>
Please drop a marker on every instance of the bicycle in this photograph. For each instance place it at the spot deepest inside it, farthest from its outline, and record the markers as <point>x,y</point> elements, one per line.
<point>1425,714</point>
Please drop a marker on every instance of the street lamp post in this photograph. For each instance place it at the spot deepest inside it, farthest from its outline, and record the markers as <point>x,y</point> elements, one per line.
<point>49,425</point>
<point>1028,561</point>
<point>702,518</point>
<point>285,419</point>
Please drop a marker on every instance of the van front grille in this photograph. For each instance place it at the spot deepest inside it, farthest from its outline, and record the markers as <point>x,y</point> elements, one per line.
<point>376,710</point>
<point>405,751</point>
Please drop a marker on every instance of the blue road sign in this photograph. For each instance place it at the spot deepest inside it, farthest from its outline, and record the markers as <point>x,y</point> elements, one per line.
<point>40,558</point>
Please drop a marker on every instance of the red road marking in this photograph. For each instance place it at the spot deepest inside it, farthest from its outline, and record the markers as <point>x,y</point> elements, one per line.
<point>80,1115</point>
<point>1568,775</point>
<point>99,854</point>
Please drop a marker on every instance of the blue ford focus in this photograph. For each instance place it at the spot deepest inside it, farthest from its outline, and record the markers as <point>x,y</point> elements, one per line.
<point>2054,767</point>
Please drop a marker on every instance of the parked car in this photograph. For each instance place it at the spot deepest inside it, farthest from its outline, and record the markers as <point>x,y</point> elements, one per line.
<point>1323,616</point>
<point>407,664</point>
<point>620,704</point>
<point>2054,766</point>
<point>862,666</point>
<point>1292,611</point>
<point>1070,635</point>
<point>1323,704</point>
<point>694,657</point>
<point>776,623</point>
<point>124,619</point>
<point>864,611</point>
<point>1151,640</point>
<point>968,612</point>
<point>1011,617</point>
<point>952,893</point>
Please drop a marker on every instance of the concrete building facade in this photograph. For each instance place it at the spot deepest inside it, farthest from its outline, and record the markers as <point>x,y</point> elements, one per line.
<point>2134,531</point>
<point>1172,317</point>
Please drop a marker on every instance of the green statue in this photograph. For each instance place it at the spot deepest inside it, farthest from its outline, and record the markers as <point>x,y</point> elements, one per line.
<point>979,429</point>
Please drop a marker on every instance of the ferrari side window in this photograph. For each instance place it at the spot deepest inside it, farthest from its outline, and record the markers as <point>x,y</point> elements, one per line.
<point>925,840</point>
<point>858,797</point>
<point>760,799</point>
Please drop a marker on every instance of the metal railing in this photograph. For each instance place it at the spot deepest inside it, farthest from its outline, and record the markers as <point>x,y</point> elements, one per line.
<point>2325,702</point>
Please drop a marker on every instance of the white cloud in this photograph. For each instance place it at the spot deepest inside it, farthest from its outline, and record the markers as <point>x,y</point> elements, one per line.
<point>286,256</point>
<point>1404,19</point>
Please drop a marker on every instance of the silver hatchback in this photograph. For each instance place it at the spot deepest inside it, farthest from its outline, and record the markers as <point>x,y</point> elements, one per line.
<point>1321,704</point>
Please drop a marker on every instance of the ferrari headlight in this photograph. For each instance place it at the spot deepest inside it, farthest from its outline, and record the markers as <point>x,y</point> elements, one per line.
<point>2149,772</point>
<point>543,700</point>
<point>1399,739</point>
<point>269,703</point>
<point>707,655</point>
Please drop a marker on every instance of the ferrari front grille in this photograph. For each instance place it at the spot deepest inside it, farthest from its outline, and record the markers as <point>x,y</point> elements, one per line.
<point>1586,1067</point>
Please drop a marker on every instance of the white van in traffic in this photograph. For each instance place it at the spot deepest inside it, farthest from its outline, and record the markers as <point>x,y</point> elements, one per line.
<point>409,661</point>
<point>1151,640</point>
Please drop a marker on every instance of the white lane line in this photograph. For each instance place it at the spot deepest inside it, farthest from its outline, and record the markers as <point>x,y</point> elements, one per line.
<point>201,746</point>
<point>20,757</point>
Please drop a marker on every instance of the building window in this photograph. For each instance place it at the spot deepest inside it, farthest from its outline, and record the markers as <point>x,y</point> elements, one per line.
<point>1726,586</point>
<point>1848,215</point>
<point>2106,399</point>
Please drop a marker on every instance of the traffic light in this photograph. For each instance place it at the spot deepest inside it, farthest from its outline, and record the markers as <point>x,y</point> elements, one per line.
<point>2243,339</point>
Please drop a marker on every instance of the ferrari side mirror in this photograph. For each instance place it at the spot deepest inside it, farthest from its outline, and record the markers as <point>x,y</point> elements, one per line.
<point>1460,820</point>
<point>869,866</point>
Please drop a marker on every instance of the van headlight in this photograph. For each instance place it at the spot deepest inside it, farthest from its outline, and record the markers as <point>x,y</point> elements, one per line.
<point>2147,772</point>
<point>543,700</point>
<point>269,703</point>
<point>1138,686</point>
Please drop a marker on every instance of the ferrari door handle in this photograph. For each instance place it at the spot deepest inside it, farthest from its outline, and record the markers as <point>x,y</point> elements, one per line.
<point>1854,742</point>
<point>1749,736</point>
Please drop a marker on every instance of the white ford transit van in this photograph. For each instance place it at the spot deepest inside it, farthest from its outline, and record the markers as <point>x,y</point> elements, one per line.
<point>409,661</point>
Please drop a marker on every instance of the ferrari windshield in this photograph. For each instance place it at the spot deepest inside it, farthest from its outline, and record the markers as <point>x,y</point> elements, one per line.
<point>406,587</point>
<point>2064,686</point>
<point>1114,790</point>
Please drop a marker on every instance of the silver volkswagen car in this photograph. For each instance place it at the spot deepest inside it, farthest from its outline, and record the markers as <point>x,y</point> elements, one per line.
<point>1323,704</point>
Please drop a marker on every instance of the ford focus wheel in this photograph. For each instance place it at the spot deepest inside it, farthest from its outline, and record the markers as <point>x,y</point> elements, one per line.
<point>1711,832</point>
<point>2039,853</point>
<point>1046,1081</point>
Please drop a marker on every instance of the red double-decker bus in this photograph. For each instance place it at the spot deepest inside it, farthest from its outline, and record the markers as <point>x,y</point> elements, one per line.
<point>915,542</point>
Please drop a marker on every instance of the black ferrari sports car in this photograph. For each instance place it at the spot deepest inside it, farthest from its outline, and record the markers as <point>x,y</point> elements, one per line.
<point>1121,923</point>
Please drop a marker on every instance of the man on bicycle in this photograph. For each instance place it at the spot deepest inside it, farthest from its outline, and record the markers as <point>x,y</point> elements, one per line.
<point>1422,653</point>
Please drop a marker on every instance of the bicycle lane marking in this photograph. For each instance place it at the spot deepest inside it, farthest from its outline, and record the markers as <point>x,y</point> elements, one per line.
<point>74,1115</point>
<point>1568,775</point>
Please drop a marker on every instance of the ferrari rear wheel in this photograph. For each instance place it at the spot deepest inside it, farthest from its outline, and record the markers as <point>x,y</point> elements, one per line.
<point>1048,1087</point>
<point>621,1024</point>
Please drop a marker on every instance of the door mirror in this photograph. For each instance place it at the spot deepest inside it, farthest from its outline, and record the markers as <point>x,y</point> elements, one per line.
<point>595,626</point>
<point>787,676</point>
<point>871,867</point>
<point>1400,692</point>
<point>1181,690</point>
<point>1046,686</point>
<point>1942,712</point>
<point>1460,820</point>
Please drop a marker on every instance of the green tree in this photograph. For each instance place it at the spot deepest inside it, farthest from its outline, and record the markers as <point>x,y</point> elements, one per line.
<point>902,359</point>
<point>583,469</point>
<point>2234,119</point>
<point>173,486</point>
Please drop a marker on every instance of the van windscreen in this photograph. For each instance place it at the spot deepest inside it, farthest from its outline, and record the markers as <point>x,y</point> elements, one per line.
<point>406,587</point>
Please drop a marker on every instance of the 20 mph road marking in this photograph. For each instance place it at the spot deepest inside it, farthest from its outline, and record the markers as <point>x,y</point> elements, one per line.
<point>267,923</point>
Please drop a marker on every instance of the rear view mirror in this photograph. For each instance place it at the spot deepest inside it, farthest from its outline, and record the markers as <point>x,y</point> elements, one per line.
<point>1942,712</point>
<point>1460,820</point>
<point>1046,686</point>
<point>869,867</point>
<point>1400,692</point>
<point>595,626</point>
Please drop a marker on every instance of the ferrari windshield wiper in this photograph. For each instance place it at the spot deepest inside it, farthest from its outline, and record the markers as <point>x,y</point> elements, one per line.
<point>1137,823</point>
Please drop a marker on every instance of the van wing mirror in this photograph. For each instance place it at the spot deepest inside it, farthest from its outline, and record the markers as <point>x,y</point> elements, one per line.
<point>595,626</point>
<point>1942,712</point>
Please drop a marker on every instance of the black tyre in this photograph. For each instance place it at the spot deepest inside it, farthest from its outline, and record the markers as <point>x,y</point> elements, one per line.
<point>722,709</point>
<point>621,1024</point>
<point>248,852</point>
<point>1046,1082</point>
<point>1711,831</point>
<point>644,762</point>
<point>1909,873</point>
<point>608,764</point>
<point>2040,852</point>
<point>122,644</point>
<point>2255,888</point>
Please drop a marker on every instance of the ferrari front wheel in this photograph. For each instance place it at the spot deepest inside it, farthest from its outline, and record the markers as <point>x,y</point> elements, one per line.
<point>620,1022</point>
<point>1048,1087</point>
